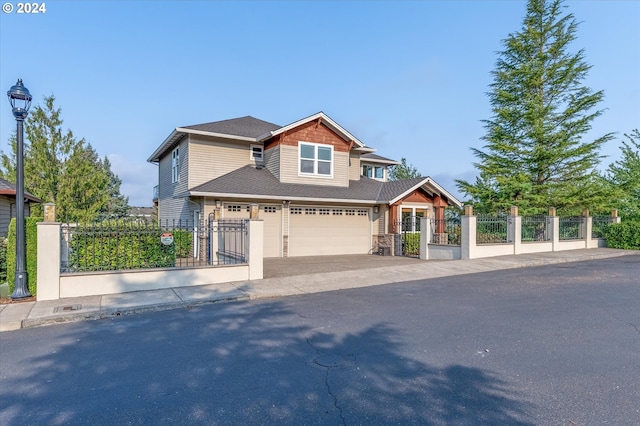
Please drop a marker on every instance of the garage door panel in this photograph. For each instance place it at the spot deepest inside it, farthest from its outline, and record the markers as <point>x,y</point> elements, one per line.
<point>327,234</point>
<point>272,218</point>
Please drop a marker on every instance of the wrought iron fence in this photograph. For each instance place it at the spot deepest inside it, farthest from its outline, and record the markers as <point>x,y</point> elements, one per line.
<point>124,245</point>
<point>407,237</point>
<point>571,228</point>
<point>535,229</point>
<point>599,225</point>
<point>446,231</point>
<point>492,229</point>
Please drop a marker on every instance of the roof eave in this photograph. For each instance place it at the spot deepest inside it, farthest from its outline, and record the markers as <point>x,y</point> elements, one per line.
<point>433,183</point>
<point>279,197</point>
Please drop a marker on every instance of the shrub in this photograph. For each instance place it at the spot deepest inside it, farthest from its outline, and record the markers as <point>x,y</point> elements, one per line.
<point>624,235</point>
<point>119,245</point>
<point>31,252</point>
<point>3,260</point>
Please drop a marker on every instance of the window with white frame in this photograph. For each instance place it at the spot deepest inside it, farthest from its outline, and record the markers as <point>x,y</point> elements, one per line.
<point>376,172</point>
<point>315,159</point>
<point>256,152</point>
<point>175,165</point>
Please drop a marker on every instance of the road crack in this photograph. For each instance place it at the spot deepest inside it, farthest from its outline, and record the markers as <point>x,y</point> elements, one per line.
<point>327,362</point>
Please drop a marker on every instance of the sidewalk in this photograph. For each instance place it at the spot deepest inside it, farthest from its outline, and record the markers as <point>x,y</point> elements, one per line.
<point>33,314</point>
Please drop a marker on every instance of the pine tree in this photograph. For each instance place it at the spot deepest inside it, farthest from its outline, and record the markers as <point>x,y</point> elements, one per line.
<point>624,176</point>
<point>404,171</point>
<point>60,169</point>
<point>535,155</point>
<point>118,204</point>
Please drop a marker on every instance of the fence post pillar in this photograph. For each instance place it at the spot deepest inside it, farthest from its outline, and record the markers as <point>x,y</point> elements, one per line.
<point>614,216</point>
<point>587,227</point>
<point>468,237</point>
<point>553,226</point>
<point>48,278</point>
<point>514,229</point>
<point>255,249</point>
<point>425,235</point>
<point>213,229</point>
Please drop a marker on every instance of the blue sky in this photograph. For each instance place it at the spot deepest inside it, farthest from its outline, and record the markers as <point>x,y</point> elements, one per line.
<point>406,77</point>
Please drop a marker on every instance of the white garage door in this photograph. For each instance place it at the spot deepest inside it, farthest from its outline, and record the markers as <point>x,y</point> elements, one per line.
<point>272,217</point>
<point>327,230</point>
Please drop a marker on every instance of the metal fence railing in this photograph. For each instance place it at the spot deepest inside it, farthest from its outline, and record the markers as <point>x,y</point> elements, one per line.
<point>599,225</point>
<point>446,231</point>
<point>492,229</point>
<point>571,228</point>
<point>124,245</point>
<point>535,229</point>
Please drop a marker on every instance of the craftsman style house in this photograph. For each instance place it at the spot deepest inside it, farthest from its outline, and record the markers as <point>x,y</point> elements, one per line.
<point>318,189</point>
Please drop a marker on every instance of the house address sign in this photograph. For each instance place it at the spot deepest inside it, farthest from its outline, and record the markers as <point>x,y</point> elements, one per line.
<point>166,238</point>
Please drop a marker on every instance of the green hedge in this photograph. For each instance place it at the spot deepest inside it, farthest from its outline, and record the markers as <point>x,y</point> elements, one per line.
<point>118,245</point>
<point>3,260</point>
<point>624,235</point>
<point>31,252</point>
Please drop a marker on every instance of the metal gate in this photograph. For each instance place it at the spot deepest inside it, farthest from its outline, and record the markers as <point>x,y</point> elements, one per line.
<point>407,237</point>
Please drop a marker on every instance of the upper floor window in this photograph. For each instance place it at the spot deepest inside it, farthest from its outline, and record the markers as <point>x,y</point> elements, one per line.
<point>315,159</point>
<point>376,172</point>
<point>256,153</point>
<point>175,165</point>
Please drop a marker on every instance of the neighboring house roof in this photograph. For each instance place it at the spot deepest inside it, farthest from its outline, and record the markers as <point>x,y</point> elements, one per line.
<point>141,211</point>
<point>259,183</point>
<point>7,188</point>
<point>373,158</point>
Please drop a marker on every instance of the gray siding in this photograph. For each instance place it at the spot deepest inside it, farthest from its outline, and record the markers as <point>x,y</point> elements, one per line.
<point>5,215</point>
<point>272,161</point>
<point>289,169</point>
<point>171,208</point>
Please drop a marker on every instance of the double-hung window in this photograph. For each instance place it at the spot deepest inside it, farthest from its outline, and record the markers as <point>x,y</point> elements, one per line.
<point>256,153</point>
<point>175,165</point>
<point>315,159</point>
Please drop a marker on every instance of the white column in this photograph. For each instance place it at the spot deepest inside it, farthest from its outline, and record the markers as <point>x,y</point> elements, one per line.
<point>48,280</point>
<point>425,237</point>
<point>468,240</point>
<point>255,249</point>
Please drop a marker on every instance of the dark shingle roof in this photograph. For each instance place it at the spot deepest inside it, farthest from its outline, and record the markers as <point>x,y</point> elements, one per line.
<point>248,126</point>
<point>251,181</point>
<point>7,188</point>
<point>369,156</point>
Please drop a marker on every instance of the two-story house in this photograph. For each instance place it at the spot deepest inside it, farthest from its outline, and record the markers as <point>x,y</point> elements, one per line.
<point>318,189</point>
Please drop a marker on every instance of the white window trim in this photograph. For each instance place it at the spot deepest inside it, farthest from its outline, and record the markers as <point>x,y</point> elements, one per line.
<point>373,171</point>
<point>251,157</point>
<point>315,161</point>
<point>175,165</point>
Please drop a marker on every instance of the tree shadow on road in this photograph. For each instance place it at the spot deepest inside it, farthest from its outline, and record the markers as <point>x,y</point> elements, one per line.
<point>239,363</point>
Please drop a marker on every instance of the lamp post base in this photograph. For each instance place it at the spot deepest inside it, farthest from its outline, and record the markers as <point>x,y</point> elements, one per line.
<point>20,291</point>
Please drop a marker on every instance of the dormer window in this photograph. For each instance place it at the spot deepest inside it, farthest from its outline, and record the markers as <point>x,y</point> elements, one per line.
<point>374,172</point>
<point>315,159</point>
<point>256,153</point>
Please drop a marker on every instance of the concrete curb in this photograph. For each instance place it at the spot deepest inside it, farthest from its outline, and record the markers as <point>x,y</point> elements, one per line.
<point>38,314</point>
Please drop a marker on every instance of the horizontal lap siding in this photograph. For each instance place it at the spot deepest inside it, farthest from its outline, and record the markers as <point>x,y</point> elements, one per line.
<point>211,158</point>
<point>354,166</point>
<point>171,208</point>
<point>289,169</point>
<point>272,161</point>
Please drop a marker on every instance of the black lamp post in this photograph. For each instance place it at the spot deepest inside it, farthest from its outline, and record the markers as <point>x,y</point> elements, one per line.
<point>20,99</point>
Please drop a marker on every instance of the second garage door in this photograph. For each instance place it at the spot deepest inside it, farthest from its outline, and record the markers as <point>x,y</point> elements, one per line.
<point>323,231</point>
<point>272,217</point>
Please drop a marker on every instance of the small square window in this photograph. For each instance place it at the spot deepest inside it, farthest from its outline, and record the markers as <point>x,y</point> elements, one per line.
<point>256,152</point>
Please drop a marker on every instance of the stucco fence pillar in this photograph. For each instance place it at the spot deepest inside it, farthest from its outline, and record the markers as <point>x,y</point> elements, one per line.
<point>49,248</point>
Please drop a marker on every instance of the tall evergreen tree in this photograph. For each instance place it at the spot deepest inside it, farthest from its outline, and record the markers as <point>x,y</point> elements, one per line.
<point>403,171</point>
<point>535,155</point>
<point>624,177</point>
<point>60,169</point>
<point>118,205</point>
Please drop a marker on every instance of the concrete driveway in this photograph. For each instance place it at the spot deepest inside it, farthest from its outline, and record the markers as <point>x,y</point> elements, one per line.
<point>276,267</point>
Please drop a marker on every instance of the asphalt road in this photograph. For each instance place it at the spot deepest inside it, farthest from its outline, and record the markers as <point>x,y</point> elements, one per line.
<point>556,345</point>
